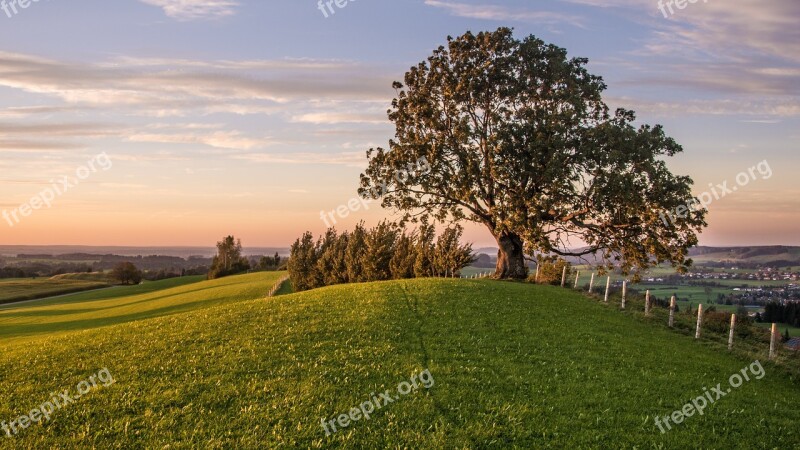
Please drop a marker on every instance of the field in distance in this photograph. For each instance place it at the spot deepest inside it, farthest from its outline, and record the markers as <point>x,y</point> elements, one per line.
<point>513,364</point>
<point>21,289</point>
<point>122,304</point>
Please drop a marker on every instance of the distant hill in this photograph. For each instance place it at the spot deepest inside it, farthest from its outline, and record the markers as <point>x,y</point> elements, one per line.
<point>86,250</point>
<point>773,255</point>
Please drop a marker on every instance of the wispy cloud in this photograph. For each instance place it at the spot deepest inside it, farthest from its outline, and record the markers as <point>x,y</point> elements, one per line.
<point>161,88</point>
<point>195,9</point>
<point>218,139</point>
<point>503,13</point>
<point>337,118</point>
<point>749,49</point>
<point>350,159</point>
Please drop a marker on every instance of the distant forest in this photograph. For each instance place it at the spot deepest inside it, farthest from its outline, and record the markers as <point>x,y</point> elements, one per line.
<point>161,266</point>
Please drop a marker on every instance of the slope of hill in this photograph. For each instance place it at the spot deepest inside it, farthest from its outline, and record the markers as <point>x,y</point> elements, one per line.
<point>512,365</point>
<point>127,303</point>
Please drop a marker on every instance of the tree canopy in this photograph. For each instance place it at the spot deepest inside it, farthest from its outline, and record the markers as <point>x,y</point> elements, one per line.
<point>126,273</point>
<point>518,139</point>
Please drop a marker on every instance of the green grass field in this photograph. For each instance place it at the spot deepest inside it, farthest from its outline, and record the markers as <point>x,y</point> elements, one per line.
<point>694,294</point>
<point>215,365</point>
<point>20,289</point>
<point>118,304</point>
<point>793,331</point>
<point>470,271</point>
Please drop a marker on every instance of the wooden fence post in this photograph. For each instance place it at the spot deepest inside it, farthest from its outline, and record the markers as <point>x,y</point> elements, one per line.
<point>672,311</point>
<point>577,274</point>
<point>647,303</point>
<point>564,276</point>
<point>624,292</point>
<point>733,327</point>
<point>591,284</point>
<point>608,286</point>
<point>773,338</point>
<point>699,321</point>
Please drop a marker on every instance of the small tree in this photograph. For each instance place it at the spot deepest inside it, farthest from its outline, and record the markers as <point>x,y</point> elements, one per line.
<point>127,273</point>
<point>449,256</point>
<point>402,263</point>
<point>302,263</point>
<point>551,269</point>
<point>354,255</point>
<point>424,249</point>
<point>229,259</point>
<point>380,249</point>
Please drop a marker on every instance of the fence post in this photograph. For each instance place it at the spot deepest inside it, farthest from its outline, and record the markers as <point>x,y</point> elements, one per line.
<point>671,311</point>
<point>773,338</point>
<point>733,326</point>
<point>536,278</point>
<point>564,276</point>
<point>647,303</point>
<point>608,286</point>
<point>624,292</point>
<point>699,321</point>
<point>591,284</point>
<point>577,274</point>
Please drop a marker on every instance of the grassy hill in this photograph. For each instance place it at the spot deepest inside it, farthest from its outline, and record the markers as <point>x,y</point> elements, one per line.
<point>514,365</point>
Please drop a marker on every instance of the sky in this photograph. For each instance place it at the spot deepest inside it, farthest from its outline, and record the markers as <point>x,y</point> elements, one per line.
<point>177,122</point>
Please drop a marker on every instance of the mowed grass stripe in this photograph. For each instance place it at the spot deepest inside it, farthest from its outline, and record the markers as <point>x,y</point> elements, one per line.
<point>515,366</point>
<point>125,304</point>
<point>15,290</point>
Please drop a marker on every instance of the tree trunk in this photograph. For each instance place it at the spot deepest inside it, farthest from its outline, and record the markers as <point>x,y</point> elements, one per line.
<point>510,257</point>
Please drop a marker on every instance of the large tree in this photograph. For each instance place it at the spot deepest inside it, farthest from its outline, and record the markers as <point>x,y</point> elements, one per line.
<point>518,139</point>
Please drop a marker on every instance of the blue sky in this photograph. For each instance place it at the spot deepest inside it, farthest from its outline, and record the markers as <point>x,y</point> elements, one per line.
<point>245,117</point>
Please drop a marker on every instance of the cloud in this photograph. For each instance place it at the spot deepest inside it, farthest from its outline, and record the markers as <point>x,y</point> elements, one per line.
<point>195,9</point>
<point>218,139</point>
<point>776,107</point>
<point>160,88</point>
<point>350,159</point>
<point>502,13</point>
<point>337,118</point>
<point>37,146</point>
<point>743,49</point>
<point>91,130</point>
